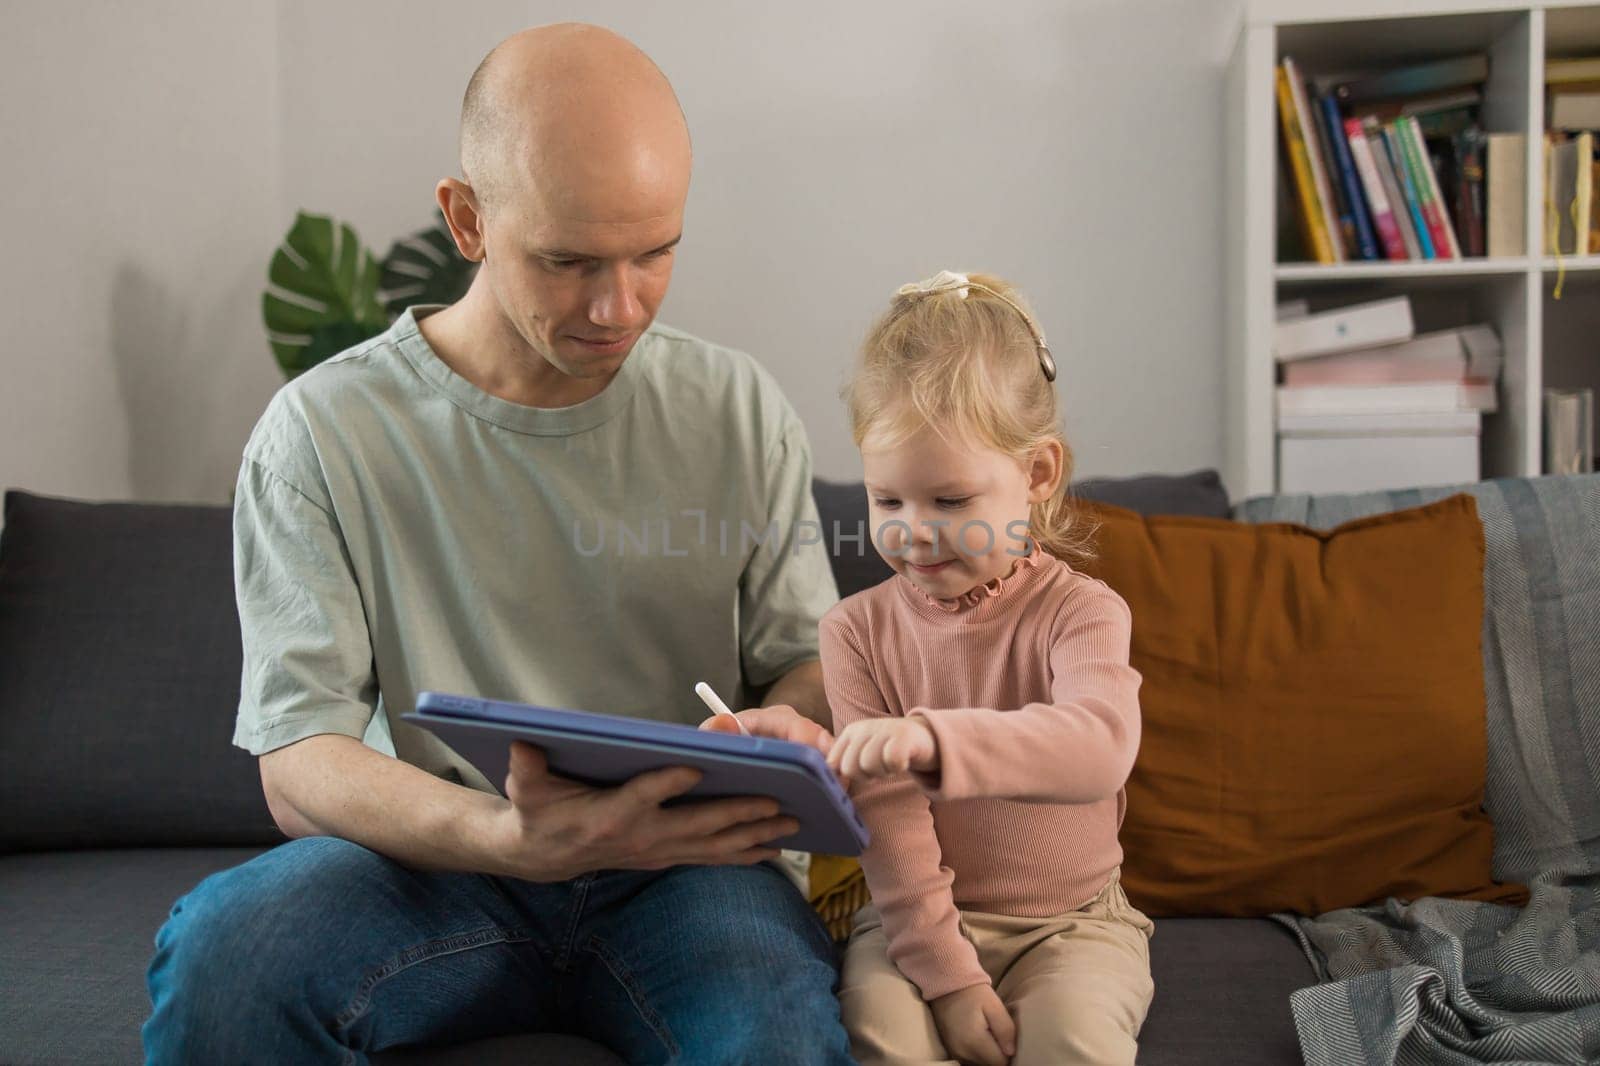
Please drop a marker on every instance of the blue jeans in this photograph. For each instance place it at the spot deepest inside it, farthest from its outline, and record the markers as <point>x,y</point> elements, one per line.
<point>321,951</point>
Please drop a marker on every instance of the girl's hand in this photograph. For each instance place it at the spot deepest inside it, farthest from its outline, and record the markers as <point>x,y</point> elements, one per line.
<point>975,1026</point>
<point>880,747</point>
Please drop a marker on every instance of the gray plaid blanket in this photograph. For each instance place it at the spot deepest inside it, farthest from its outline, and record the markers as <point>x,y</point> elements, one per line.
<point>1441,981</point>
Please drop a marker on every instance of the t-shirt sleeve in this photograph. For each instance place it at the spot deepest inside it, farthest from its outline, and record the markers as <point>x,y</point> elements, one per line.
<point>307,652</point>
<point>787,585</point>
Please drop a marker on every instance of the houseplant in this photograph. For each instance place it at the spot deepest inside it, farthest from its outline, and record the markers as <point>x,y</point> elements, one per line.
<point>326,291</point>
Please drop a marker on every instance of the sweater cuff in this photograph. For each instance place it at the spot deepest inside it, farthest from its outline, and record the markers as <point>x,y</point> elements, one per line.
<point>942,963</point>
<point>954,983</point>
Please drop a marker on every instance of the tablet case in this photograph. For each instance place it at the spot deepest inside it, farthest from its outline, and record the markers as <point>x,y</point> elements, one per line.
<point>600,749</point>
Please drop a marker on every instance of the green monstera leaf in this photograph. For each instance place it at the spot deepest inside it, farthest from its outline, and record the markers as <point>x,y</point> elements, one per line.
<point>424,268</point>
<point>323,294</point>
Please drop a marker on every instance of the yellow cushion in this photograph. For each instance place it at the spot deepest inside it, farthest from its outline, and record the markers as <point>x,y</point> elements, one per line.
<point>1313,711</point>
<point>838,890</point>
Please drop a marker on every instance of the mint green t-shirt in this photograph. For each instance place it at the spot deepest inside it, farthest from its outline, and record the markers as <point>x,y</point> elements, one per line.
<point>398,529</point>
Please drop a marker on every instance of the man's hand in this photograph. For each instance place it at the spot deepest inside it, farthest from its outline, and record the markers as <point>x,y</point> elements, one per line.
<point>780,721</point>
<point>554,828</point>
<point>975,1025</point>
<point>880,747</point>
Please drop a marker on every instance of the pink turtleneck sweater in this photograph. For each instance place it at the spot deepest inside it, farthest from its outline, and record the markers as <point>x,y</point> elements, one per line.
<point>1026,685</point>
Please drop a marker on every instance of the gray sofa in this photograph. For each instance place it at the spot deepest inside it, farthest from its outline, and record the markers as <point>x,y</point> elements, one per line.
<point>119,672</point>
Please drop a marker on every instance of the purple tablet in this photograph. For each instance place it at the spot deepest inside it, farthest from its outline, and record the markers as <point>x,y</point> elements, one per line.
<point>603,749</point>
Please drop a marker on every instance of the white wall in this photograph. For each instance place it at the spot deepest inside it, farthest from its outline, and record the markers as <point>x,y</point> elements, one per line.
<point>143,199</point>
<point>158,152</point>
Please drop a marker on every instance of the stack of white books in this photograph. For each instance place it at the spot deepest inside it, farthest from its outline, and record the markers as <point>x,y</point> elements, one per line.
<point>1367,403</point>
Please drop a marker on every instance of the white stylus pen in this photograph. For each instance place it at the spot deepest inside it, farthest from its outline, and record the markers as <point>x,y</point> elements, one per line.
<point>712,700</point>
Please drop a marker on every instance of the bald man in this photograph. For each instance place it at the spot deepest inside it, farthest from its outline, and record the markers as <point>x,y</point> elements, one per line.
<point>536,494</point>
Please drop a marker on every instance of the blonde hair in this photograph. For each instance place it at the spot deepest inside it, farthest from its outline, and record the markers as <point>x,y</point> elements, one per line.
<point>968,362</point>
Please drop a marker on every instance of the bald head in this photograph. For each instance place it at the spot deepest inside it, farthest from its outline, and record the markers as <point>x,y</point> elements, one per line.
<point>573,121</point>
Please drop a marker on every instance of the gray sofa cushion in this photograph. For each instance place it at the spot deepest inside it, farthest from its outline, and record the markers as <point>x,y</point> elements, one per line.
<point>120,646</point>
<point>856,566</point>
<point>842,509</point>
<point>77,930</point>
<point>1222,993</point>
<point>1199,494</point>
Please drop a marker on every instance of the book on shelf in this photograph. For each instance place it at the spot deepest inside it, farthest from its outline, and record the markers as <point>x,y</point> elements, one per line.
<point>1384,163</point>
<point>1382,423</point>
<point>1313,224</point>
<point>1287,309</point>
<point>1466,169</point>
<point>1433,103</point>
<point>1594,207</point>
<point>1376,195</point>
<point>1569,193</point>
<point>1470,353</point>
<point>1343,329</point>
<point>1440,116</point>
<point>1320,163</point>
<point>1569,440</point>
<point>1572,93</point>
<point>1431,202</point>
<point>1321,222</point>
<point>1292,244</point>
<point>1420,79</point>
<point>1355,217</point>
<point>1392,165</point>
<point>1409,191</point>
<point>1583,198</point>
<point>1574,110</point>
<point>1343,219</point>
<point>1506,163</point>
<point>1408,398</point>
<point>1566,71</point>
<point>1442,125</point>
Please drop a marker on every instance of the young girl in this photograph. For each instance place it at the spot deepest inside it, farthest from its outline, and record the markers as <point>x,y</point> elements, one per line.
<point>985,712</point>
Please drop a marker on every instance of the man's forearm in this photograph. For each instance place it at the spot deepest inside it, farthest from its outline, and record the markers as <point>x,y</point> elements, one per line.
<point>332,785</point>
<point>801,688</point>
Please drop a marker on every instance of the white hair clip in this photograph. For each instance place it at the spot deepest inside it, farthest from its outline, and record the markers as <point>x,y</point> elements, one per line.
<point>944,281</point>
<point>950,281</point>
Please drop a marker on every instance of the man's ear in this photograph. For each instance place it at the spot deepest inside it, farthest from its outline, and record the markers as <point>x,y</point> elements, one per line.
<point>460,206</point>
<point>1044,472</point>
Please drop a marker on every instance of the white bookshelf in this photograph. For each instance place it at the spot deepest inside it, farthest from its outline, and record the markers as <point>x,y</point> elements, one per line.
<point>1547,342</point>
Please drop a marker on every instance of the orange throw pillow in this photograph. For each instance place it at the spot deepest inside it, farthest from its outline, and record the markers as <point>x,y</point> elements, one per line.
<point>1313,711</point>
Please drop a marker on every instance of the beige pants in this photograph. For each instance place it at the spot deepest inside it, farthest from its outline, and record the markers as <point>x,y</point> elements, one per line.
<point>1077,985</point>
